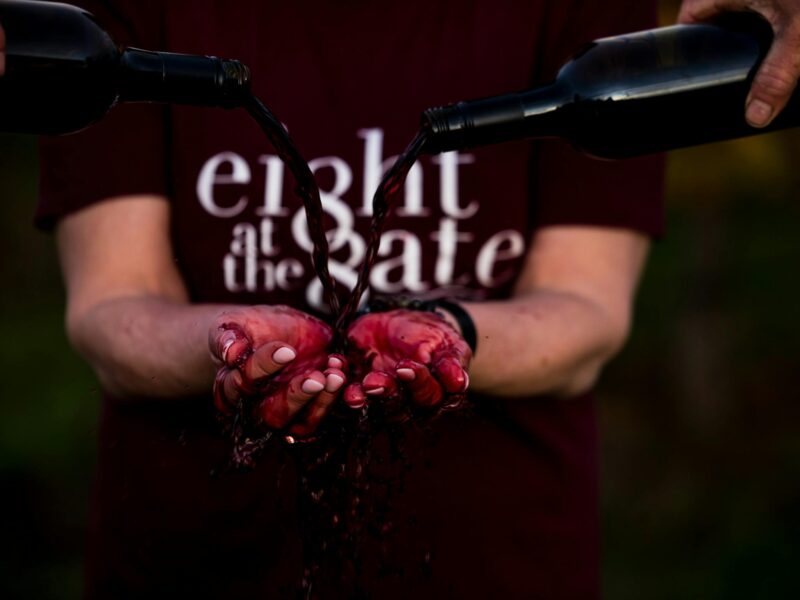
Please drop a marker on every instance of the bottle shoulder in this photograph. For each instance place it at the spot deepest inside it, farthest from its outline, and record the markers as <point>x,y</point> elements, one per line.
<point>660,61</point>
<point>62,31</point>
<point>60,68</point>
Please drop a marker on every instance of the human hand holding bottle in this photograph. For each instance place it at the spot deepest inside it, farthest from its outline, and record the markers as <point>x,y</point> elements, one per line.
<point>777,77</point>
<point>406,354</point>
<point>280,356</point>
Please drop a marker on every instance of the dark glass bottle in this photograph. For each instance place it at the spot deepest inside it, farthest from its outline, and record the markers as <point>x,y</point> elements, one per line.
<point>64,72</point>
<point>629,95</point>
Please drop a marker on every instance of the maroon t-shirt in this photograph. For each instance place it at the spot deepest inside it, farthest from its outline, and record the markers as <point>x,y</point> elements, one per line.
<point>500,501</point>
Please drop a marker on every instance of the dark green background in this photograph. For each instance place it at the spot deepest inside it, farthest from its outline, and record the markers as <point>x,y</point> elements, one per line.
<point>700,414</point>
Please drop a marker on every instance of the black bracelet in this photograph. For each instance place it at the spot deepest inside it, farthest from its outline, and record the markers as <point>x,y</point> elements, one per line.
<point>465,322</point>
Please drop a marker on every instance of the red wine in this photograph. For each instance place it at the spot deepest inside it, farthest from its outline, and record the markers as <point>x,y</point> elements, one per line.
<point>390,185</point>
<point>307,190</point>
<point>348,490</point>
<point>630,95</point>
<point>337,473</point>
<point>344,493</point>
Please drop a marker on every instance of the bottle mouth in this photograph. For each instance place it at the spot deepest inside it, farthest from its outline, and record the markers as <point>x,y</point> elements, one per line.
<point>235,85</point>
<point>445,127</point>
<point>473,123</point>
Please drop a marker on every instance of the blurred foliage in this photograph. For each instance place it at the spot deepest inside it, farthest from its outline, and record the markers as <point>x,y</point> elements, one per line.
<point>701,457</point>
<point>699,415</point>
<point>701,493</point>
<point>49,403</point>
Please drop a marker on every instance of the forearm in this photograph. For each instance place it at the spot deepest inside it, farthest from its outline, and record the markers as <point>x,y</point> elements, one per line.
<point>147,346</point>
<point>545,342</point>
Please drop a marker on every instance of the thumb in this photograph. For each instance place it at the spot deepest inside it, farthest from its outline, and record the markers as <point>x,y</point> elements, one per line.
<point>775,80</point>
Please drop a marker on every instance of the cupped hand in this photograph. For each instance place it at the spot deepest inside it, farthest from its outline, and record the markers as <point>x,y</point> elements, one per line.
<point>406,354</point>
<point>278,356</point>
<point>777,76</point>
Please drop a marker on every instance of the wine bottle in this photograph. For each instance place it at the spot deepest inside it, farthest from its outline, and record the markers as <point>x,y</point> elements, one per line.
<point>629,95</point>
<point>64,72</point>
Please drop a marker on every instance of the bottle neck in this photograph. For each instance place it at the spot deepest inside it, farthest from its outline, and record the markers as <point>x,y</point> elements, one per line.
<point>182,79</point>
<point>533,114</point>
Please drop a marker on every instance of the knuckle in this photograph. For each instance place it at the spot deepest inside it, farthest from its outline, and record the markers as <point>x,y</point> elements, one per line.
<point>775,80</point>
<point>790,39</point>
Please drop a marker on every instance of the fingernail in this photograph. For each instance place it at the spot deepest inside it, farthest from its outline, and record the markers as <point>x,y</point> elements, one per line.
<point>354,396</point>
<point>335,363</point>
<point>333,382</point>
<point>375,391</point>
<point>311,386</point>
<point>758,113</point>
<point>284,355</point>
<point>229,339</point>
<point>406,374</point>
<point>466,381</point>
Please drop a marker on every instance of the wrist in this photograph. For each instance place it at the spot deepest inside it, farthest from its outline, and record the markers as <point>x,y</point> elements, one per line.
<point>454,314</point>
<point>449,318</point>
<point>458,317</point>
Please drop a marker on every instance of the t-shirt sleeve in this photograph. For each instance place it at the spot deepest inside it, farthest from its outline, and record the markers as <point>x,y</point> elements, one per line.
<point>570,188</point>
<point>122,154</point>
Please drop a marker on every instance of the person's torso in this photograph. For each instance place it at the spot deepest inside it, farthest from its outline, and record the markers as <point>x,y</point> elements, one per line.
<point>505,501</point>
<point>350,81</point>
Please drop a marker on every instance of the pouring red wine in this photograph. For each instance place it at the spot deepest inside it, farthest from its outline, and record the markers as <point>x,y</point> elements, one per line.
<point>620,97</point>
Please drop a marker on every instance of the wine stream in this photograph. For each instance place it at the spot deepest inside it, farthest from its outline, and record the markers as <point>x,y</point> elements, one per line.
<point>306,189</point>
<point>336,473</point>
<point>389,187</point>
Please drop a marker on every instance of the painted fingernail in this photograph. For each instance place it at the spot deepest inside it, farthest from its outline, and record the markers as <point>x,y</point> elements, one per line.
<point>311,386</point>
<point>333,382</point>
<point>227,341</point>
<point>406,374</point>
<point>354,397</point>
<point>284,355</point>
<point>758,113</point>
<point>375,391</point>
<point>335,363</point>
